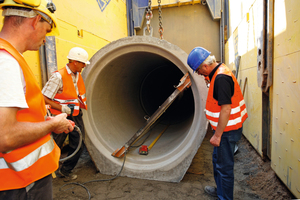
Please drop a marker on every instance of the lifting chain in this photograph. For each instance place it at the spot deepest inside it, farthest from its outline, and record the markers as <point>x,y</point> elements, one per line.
<point>149,15</point>
<point>160,29</point>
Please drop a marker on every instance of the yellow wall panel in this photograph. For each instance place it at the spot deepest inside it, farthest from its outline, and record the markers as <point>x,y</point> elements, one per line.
<point>32,58</point>
<point>1,20</point>
<point>286,27</point>
<point>69,39</point>
<point>171,3</point>
<point>84,24</point>
<point>252,126</point>
<point>238,12</point>
<point>286,94</point>
<point>87,25</point>
<point>183,28</point>
<point>242,42</point>
<point>109,24</point>
<point>286,120</point>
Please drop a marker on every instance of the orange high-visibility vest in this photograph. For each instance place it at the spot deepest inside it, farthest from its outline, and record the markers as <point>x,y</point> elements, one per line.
<point>69,94</point>
<point>29,163</point>
<point>238,107</point>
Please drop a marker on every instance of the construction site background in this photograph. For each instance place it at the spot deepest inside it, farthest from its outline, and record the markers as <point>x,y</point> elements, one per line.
<point>261,45</point>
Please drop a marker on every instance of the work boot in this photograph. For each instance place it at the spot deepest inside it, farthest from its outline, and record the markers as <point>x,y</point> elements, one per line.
<point>67,176</point>
<point>212,191</point>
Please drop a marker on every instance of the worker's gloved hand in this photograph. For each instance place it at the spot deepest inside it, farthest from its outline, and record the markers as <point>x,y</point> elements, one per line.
<point>66,109</point>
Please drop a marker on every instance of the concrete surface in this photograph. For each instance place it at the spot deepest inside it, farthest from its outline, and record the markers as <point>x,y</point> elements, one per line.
<point>128,80</point>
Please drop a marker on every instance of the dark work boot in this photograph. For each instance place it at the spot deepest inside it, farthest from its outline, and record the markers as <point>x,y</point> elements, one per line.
<point>212,191</point>
<point>67,176</point>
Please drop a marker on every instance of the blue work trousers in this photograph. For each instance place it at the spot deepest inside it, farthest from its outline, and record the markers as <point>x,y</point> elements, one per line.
<point>223,163</point>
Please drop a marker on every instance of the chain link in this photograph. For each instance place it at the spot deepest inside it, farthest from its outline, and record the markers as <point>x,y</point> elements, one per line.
<point>161,29</point>
<point>149,15</point>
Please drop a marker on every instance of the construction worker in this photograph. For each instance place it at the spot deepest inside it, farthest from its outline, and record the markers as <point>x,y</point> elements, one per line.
<point>64,88</point>
<point>28,154</point>
<point>226,112</point>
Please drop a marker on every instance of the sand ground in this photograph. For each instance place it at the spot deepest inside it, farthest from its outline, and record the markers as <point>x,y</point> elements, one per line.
<point>254,179</point>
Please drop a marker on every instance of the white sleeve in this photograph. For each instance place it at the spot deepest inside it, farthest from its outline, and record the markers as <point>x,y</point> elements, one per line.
<point>12,86</point>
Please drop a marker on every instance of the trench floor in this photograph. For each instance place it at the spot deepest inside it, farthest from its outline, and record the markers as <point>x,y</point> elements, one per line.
<point>254,179</point>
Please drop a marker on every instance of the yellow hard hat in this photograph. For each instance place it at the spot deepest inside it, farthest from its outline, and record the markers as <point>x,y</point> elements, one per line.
<point>45,8</point>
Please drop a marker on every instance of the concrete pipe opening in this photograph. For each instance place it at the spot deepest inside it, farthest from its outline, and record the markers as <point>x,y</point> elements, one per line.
<point>127,81</point>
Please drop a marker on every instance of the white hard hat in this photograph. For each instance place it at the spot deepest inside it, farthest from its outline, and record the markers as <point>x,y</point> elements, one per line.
<point>78,54</point>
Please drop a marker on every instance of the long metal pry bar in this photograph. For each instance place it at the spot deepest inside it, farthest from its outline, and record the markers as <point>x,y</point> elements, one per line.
<point>185,82</point>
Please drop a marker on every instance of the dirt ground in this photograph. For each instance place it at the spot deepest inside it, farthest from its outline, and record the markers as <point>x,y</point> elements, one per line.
<point>254,179</point>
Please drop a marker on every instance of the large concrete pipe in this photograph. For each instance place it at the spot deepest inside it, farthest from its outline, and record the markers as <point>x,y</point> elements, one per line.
<point>128,80</point>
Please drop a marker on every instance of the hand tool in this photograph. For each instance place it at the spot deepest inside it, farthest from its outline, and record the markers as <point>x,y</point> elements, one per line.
<point>144,149</point>
<point>185,82</point>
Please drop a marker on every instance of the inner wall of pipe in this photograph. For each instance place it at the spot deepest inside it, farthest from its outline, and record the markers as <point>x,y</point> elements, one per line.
<point>127,90</point>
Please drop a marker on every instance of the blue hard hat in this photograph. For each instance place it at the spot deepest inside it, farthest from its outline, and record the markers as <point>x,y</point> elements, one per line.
<point>196,57</point>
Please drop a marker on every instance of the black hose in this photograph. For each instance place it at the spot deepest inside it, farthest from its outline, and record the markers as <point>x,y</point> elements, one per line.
<point>78,147</point>
<point>71,106</point>
<point>97,180</point>
<point>81,185</point>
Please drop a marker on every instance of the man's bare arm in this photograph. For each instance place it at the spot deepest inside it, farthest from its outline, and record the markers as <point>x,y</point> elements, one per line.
<point>53,105</point>
<point>15,134</point>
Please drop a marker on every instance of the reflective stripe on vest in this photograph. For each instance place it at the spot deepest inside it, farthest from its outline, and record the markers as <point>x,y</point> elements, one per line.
<point>233,110</point>
<point>22,166</point>
<point>83,101</point>
<point>66,102</point>
<point>231,122</point>
<point>69,94</point>
<point>238,112</point>
<point>30,159</point>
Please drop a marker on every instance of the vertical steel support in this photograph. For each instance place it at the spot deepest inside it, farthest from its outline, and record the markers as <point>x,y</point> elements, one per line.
<point>265,68</point>
<point>130,25</point>
<point>265,33</point>
<point>222,42</point>
<point>43,65</point>
<point>48,61</point>
<point>269,43</point>
<point>269,69</point>
<point>226,20</point>
<point>266,150</point>
<point>50,53</point>
<point>135,15</point>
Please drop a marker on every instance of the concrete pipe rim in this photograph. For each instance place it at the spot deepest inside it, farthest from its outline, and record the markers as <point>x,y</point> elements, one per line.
<point>105,59</point>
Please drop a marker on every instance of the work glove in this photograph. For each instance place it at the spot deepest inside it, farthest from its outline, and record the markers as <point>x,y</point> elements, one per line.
<point>65,109</point>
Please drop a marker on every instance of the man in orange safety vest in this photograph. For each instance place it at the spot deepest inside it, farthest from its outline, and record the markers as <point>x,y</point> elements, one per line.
<point>28,154</point>
<point>226,112</point>
<point>65,88</point>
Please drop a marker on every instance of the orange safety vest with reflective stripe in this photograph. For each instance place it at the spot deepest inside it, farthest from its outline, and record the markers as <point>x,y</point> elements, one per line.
<point>29,163</point>
<point>238,112</point>
<point>69,94</point>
